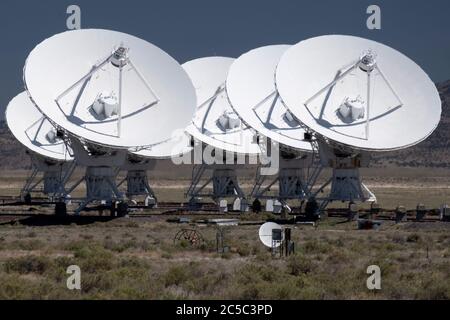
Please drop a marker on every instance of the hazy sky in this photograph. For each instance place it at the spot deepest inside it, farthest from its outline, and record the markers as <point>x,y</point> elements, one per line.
<point>189,29</point>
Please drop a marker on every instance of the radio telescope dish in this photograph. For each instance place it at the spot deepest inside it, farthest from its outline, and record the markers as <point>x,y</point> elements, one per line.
<point>33,130</point>
<point>178,145</point>
<point>215,122</point>
<point>253,95</point>
<point>265,234</point>
<point>358,93</point>
<point>109,88</point>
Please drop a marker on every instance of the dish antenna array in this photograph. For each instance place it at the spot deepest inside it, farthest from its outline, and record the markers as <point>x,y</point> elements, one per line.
<point>111,94</point>
<point>217,130</point>
<point>113,102</point>
<point>48,152</point>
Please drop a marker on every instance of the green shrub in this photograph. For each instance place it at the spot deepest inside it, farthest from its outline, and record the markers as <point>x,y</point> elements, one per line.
<point>166,255</point>
<point>226,255</point>
<point>413,238</point>
<point>96,282</point>
<point>243,250</point>
<point>298,264</point>
<point>133,262</point>
<point>183,244</point>
<point>26,265</point>
<point>120,246</point>
<point>27,245</point>
<point>87,236</point>
<point>132,224</point>
<point>315,246</point>
<point>31,234</point>
<point>12,287</point>
<point>249,292</point>
<point>93,258</point>
<point>176,275</point>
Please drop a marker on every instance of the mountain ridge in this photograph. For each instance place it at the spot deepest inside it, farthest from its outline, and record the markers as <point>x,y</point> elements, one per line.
<point>433,152</point>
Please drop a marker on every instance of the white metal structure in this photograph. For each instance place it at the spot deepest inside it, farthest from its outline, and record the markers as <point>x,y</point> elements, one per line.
<point>253,95</point>
<point>109,88</point>
<point>139,162</point>
<point>219,130</point>
<point>111,93</point>
<point>358,96</point>
<point>49,154</point>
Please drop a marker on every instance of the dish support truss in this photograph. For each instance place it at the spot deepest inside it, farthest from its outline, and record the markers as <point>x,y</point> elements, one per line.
<point>54,176</point>
<point>137,181</point>
<point>102,168</point>
<point>296,177</point>
<point>346,184</point>
<point>366,63</point>
<point>118,58</point>
<point>223,178</point>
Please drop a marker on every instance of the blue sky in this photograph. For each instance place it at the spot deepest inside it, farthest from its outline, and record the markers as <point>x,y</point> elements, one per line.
<point>189,29</point>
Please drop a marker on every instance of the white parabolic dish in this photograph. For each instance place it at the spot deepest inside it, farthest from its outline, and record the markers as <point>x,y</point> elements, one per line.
<point>252,94</point>
<point>178,145</point>
<point>405,107</point>
<point>265,234</point>
<point>33,130</point>
<point>157,94</point>
<point>215,122</point>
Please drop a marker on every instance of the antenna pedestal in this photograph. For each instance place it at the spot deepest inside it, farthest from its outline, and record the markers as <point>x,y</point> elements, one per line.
<point>295,179</point>
<point>100,187</point>
<point>137,184</point>
<point>346,184</point>
<point>102,168</point>
<point>100,184</point>
<point>224,182</point>
<point>137,179</point>
<point>54,175</point>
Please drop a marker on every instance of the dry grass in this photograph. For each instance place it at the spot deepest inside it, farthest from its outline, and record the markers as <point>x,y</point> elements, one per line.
<point>140,261</point>
<point>137,259</point>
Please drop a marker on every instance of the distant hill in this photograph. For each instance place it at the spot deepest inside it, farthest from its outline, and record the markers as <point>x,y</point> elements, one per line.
<point>12,153</point>
<point>433,152</point>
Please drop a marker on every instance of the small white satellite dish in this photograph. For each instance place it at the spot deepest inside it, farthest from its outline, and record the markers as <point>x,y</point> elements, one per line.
<point>253,95</point>
<point>109,88</point>
<point>33,130</point>
<point>266,234</point>
<point>215,123</point>
<point>358,93</point>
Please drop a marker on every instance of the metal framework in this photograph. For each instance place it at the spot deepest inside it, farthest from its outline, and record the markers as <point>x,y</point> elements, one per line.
<point>136,180</point>
<point>346,184</point>
<point>54,175</point>
<point>102,168</point>
<point>224,184</point>
<point>295,177</point>
<point>119,58</point>
<point>367,63</point>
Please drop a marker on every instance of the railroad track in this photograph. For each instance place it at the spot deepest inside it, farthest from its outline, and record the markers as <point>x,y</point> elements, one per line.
<point>10,204</point>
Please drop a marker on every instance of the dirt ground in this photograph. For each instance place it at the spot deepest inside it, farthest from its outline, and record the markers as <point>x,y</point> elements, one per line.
<point>392,186</point>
